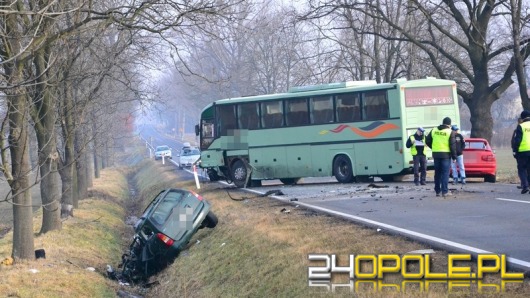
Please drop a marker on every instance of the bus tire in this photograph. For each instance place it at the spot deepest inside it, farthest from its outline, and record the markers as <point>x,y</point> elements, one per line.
<point>290,181</point>
<point>342,169</point>
<point>238,170</point>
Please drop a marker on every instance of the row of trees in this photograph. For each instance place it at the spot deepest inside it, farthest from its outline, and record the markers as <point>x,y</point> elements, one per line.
<point>72,70</point>
<point>482,45</point>
<point>73,74</point>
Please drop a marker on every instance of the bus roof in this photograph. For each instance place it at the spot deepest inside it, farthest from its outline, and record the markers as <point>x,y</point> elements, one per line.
<point>334,88</point>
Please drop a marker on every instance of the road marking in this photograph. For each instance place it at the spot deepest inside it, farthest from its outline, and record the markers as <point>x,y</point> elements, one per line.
<point>412,234</point>
<point>510,200</point>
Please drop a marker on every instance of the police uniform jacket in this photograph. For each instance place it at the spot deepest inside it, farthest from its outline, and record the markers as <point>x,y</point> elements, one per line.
<point>521,138</point>
<point>452,143</point>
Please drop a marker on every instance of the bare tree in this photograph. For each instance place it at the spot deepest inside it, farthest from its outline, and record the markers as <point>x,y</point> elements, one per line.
<point>458,41</point>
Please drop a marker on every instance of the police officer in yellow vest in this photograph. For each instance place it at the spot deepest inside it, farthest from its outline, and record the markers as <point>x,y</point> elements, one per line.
<point>416,143</point>
<point>442,141</point>
<point>521,149</point>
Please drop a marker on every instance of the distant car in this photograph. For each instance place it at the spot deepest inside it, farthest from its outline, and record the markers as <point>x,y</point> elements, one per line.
<point>188,157</point>
<point>165,228</point>
<point>479,160</point>
<point>163,151</point>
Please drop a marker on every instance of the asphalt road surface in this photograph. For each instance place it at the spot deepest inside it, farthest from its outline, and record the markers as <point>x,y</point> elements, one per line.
<point>476,218</point>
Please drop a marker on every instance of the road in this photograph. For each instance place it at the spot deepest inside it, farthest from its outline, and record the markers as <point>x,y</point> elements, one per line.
<point>476,218</point>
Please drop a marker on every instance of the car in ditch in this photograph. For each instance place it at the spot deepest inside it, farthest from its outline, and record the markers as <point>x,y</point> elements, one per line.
<point>164,230</point>
<point>163,151</point>
<point>188,157</point>
<point>480,160</point>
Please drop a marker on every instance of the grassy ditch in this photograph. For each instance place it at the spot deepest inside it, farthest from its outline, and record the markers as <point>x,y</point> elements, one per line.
<point>92,238</point>
<point>258,251</point>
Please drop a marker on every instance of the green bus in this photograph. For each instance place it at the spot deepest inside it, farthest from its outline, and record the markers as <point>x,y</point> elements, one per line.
<point>351,130</point>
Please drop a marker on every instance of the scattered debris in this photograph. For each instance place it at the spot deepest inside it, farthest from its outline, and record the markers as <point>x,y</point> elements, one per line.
<point>7,261</point>
<point>198,241</point>
<point>378,229</point>
<point>373,185</point>
<point>40,254</point>
<point>411,198</point>
<point>223,244</point>
<point>91,269</point>
<point>273,192</point>
<point>284,210</point>
<point>293,200</point>
<point>33,271</point>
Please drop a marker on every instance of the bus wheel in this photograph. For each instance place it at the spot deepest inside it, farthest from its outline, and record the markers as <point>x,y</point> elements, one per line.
<point>342,169</point>
<point>239,173</point>
<point>290,181</point>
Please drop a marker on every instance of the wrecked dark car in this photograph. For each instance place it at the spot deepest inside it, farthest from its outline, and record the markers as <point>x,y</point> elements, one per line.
<point>163,231</point>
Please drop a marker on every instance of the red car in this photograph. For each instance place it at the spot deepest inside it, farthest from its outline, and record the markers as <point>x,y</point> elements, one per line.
<point>479,160</point>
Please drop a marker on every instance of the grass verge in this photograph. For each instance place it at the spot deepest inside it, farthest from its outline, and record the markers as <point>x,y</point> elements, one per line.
<point>258,251</point>
<point>90,239</point>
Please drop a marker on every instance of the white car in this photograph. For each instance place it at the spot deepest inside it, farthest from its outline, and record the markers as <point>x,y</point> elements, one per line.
<point>163,151</point>
<point>188,157</point>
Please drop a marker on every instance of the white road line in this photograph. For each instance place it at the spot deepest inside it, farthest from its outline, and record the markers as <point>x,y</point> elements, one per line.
<point>417,235</point>
<point>510,200</point>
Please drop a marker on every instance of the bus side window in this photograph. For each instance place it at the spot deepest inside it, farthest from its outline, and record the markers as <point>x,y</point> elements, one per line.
<point>227,119</point>
<point>321,109</point>
<point>248,116</point>
<point>271,114</point>
<point>375,105</point>
<point>297,112</point>
<point>348,107</point>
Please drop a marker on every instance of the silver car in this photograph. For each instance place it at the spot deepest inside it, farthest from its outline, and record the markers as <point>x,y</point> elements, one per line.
<point>163,151</point>
<point>188,157</point>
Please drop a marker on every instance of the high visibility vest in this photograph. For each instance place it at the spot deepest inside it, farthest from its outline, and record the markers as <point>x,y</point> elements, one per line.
<point>413,149</point>
<point>525,142</point>
<point>440,139</point>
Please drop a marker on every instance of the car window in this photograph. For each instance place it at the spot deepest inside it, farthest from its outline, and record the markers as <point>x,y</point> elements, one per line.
<point>165,207</point>
<point>162,148</point>
<point>476,145</point>
<point>154,201</point>
<point>191,152</point>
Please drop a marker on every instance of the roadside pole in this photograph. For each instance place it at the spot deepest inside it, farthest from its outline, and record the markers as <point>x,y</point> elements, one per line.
<point>196,177</point>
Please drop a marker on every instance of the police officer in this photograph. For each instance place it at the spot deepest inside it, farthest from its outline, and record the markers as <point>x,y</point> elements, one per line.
<point>416,143</point>
<point>442,141</point>
<point>521,149</point>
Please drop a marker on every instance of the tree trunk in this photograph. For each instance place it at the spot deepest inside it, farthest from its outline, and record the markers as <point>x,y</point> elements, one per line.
<point>23,241</point>
<point>44,116</point>
<point>81,166</point>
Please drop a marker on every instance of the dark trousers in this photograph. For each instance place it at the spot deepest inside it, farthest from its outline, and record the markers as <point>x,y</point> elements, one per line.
<point>523,168</point>
<point>441,175</point>
<point>420,167</point>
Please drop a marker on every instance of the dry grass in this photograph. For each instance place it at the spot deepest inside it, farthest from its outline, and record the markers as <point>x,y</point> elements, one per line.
<point>92,238</point>
<point>255,250</point>
<point>258,251</point>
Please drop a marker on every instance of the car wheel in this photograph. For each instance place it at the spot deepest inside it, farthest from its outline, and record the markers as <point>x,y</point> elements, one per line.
<point>342,169</point>
<point>490,178</point>
<point>239,173</point>
<point>210,221</point>
<point>290,181</point>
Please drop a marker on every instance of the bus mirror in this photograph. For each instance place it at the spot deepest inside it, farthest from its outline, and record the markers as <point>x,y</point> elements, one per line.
<point>197,130</point>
